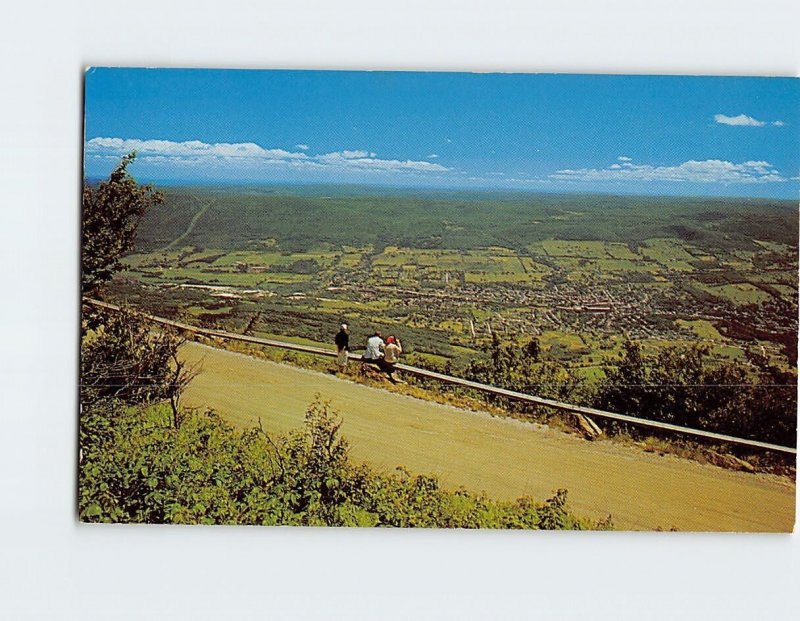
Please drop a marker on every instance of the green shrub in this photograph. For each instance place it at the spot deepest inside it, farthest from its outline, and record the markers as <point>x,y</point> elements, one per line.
<point>136,466</point>
<point>686,386</point>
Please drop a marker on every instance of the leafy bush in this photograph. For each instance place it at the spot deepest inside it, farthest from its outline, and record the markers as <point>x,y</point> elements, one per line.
<point>520,368</point>
<point>124,359</point>
<point>685,386</point>
<point>137,467</point>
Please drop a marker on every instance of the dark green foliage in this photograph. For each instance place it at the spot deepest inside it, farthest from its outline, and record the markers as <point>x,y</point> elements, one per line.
<point>533,349</point>
<point>110,214</point>
<point>680,385</point>
<point>121,357</point>
<point>518,367</point>
<point>303,218</point>
<point>624,388</point>
<point>137,467</point>
<point>684,386</point>
<point>124,360</point>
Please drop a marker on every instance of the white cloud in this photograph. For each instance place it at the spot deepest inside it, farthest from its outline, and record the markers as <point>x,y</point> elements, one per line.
<point>499,179</point>
<point>624,158</point>
<point>432,156</point>
<point>350,155</point>
<point>745,121</point>
<point>147,148</point>
<point>302,147</point>
<point>363,161</point>
<point>194,152</point>
<point>692,171</point>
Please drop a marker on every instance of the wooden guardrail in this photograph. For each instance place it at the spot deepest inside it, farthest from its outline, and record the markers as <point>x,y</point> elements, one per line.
<point>449,379</point>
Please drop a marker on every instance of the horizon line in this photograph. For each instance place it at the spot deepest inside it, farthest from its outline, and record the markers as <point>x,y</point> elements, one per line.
<point>175,182</point>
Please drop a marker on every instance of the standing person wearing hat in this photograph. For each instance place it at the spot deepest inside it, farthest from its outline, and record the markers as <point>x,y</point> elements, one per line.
<point>342,341</point>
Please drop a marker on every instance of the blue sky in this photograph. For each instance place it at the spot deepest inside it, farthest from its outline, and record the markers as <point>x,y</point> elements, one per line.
<point>716,136</point>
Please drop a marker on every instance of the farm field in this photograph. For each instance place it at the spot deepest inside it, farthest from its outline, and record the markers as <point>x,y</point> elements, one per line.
<point>503,457</point>
<point>448,271</point>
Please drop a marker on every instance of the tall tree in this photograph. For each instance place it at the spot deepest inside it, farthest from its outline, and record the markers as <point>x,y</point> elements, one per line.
<point>122,359</point>
<point>111,211</point>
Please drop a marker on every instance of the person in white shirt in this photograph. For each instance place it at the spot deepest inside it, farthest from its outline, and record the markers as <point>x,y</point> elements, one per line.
<point>375,346</point>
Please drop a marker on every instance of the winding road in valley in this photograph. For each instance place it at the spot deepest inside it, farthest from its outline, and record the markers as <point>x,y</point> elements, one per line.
<point>204,205</point>
<point>501,456</point>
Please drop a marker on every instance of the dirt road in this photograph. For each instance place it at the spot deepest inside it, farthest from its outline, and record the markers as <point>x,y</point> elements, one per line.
<point>503,457</point>
<point>203,208</point>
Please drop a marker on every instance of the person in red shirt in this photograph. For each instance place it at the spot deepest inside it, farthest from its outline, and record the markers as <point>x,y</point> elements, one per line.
<point>391,354</point>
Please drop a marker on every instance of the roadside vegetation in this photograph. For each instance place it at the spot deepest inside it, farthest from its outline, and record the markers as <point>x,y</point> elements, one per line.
<point>683,386</point>
<point>143,457</point>
<point>137,465</point>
